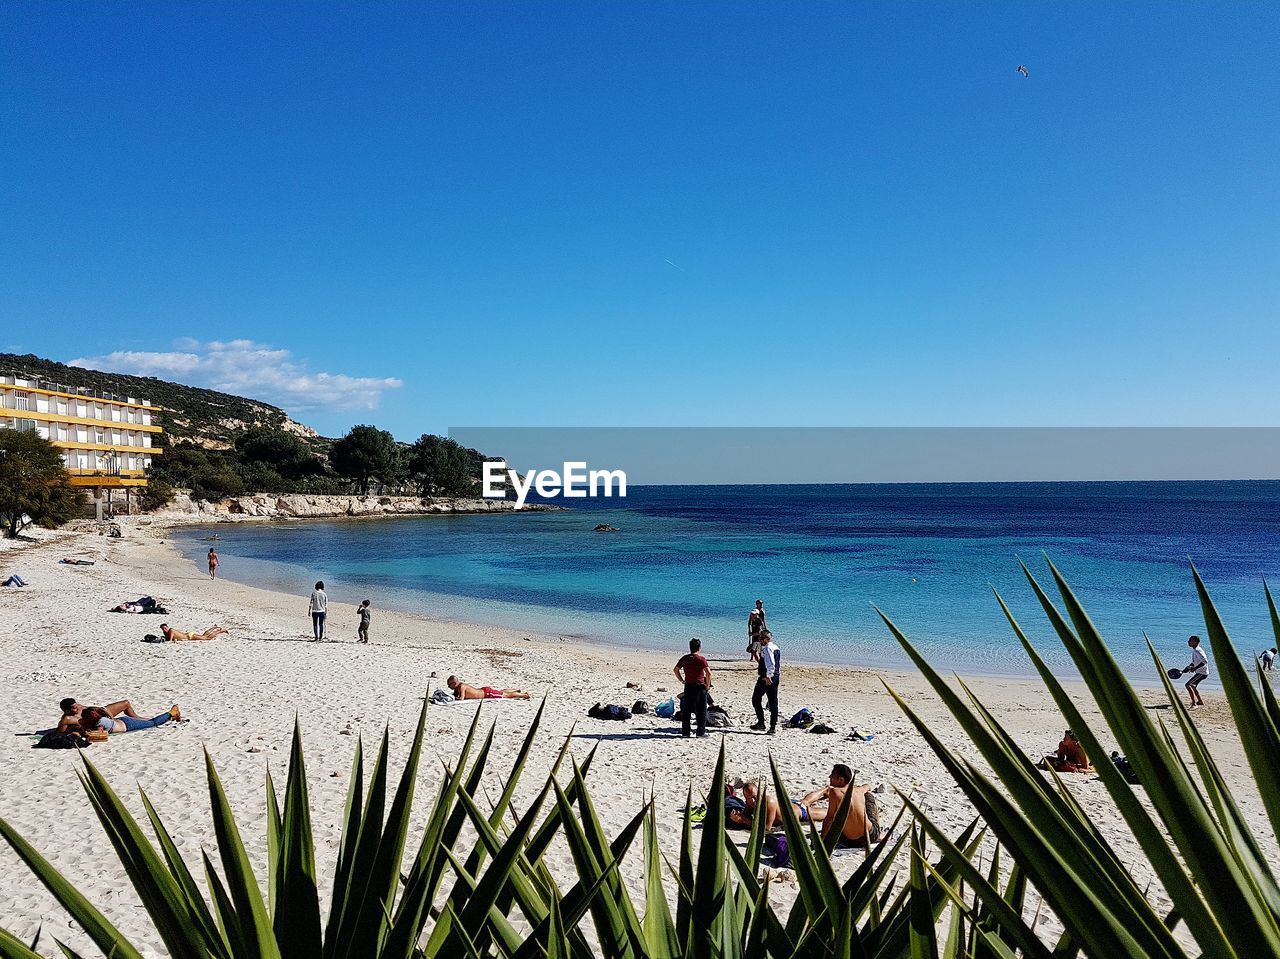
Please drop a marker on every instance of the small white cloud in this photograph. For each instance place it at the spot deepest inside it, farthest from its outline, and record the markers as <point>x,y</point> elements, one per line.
<point>249,369</point>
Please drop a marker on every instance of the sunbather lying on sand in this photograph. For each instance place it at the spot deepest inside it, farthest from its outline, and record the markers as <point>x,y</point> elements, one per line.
<point>95,717</point>
<point>749,792</point>
<point>863,820</point>
<point>178,636</point>
<point>72,710</point>
<point>463,690</point>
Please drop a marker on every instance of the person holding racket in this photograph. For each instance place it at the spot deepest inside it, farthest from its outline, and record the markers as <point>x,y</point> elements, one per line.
<point>1199,670</point>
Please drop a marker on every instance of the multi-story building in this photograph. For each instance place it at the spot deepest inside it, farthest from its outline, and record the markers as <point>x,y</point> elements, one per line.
<point>106,440</point>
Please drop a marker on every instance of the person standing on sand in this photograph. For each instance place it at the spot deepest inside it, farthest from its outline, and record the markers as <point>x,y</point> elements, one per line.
<point>318,607</point>
<point>695,672</point>
<point>213,564</point>
<point>366,614</point>
<point>769,674</point>
<point>755,626</point>
<point>1199,670</point>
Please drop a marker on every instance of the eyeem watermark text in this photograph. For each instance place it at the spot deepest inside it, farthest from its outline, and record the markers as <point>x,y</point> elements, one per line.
<point>576,481</point>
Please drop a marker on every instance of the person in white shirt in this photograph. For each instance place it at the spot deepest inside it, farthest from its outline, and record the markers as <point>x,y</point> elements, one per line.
<point>1199,670</point>
<point>1268,657</point>
<point>768,674</point>
<point>318,607</point>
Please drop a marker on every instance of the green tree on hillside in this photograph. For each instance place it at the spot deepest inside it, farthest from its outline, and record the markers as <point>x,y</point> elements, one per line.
<point>34,482</point>
<point>440,466</point>
<point>365,454</point>
<point>283,452</point>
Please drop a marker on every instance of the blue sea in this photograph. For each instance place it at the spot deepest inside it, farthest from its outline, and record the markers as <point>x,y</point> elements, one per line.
<point>691,560</point>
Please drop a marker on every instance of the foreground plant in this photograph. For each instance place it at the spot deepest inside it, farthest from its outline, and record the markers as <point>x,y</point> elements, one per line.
<point>1195,837</point>
<point>474,898</point>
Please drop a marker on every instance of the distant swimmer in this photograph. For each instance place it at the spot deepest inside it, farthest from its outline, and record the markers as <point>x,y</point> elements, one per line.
<point>1023,70</point>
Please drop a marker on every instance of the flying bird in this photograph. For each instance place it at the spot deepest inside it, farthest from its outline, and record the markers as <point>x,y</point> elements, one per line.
<point>1023,70</point>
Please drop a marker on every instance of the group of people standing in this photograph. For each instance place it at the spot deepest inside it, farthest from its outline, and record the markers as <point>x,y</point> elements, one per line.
<point>694,672</point>
<point>318,607</point>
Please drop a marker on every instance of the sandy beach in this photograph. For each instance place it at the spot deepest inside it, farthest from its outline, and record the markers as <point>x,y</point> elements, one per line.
<point>241,693</point>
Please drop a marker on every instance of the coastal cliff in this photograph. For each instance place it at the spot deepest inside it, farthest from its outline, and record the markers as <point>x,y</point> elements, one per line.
<point>314,506</point>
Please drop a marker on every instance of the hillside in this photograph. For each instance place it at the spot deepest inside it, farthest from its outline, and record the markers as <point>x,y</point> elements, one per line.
<point>187,413</point>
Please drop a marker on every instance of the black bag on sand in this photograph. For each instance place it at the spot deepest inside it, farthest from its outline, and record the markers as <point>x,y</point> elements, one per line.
<point>57,740</point>
<point>610,711</point>
<point>639,707</point>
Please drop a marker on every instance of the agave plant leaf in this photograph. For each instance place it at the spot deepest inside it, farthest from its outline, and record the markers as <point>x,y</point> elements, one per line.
<point>258,938</point>
<point>616,938</point>
<point>161,894</point>
<point>1149,836</point>
<point>1070,890</point>
<point>296,911</point>
<point>1259,735</point>
<point>213,938</point>
<point>223,909</point>
<point>660,937</point>
<point>1005,913</point>
<point>819,888</point>
<point>1250,928</point>
<point>684,877</point>
<point>924,938</point>
<point>11,947</point>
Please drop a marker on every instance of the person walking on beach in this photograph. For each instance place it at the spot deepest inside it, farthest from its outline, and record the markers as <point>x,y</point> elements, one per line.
<point>768,674</point>
<point>366,614</point>
<point>695,672</point>
<point>318,607</point>
<point>213,564</point>
<point>1199,670</point>
<point>755,627</point>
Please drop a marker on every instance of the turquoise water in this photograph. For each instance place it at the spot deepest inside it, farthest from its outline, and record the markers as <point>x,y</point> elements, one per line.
<point>690,561</point>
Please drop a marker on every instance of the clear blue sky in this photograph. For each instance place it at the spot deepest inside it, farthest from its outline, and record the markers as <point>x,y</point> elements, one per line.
<point>684,214</point>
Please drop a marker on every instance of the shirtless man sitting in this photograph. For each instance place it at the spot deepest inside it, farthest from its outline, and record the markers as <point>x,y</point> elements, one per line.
<point>463,690</point>
<point>862,823</point>
<point>750,791</point>
<point>71,711</point>
<point>178,636</point>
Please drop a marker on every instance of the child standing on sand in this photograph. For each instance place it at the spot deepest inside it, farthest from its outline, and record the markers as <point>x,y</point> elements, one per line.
<point>366,614</point>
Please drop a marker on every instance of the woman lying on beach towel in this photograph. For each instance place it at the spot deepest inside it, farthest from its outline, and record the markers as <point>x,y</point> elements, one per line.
<point>72,712</point>
<point>178,636</point>
<point>463,690</point>
<point>68,561</point>
<point>95,717</point>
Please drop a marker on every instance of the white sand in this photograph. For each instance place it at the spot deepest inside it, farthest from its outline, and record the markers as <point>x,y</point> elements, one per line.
<point>241,693</point>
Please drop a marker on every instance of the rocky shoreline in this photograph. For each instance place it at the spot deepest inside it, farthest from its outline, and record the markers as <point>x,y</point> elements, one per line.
<point>252,506</point>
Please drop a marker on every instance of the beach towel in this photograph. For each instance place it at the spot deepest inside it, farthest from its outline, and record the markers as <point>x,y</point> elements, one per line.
<point>666,709</point>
